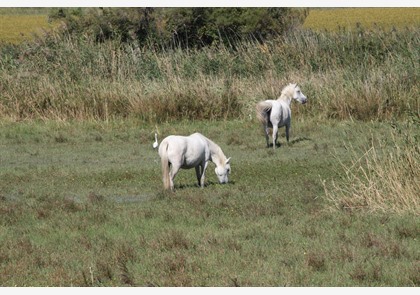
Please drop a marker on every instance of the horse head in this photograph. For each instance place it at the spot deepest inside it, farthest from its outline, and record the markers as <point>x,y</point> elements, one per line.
<point>223,170</point>
<point>298,95</point>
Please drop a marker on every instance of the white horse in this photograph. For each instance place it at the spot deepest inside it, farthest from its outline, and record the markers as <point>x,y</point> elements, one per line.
<point>191,151</point>
<point>276,113</point>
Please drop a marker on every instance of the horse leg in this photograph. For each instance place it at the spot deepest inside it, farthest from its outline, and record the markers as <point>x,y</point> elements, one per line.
<point>203,171</point>
<point>172,174</point>
<point>275,132</point>
<point>198,174</point>
<point>287,132</point>
<point>266,132</point>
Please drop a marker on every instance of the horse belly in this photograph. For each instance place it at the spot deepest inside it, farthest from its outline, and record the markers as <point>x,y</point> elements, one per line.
<point>192,159</point>
<point>189,165</point>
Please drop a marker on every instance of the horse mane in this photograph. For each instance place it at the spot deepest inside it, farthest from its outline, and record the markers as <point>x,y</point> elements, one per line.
<point>217,152</point>
<point>263,108</point>
<point>287,92</point>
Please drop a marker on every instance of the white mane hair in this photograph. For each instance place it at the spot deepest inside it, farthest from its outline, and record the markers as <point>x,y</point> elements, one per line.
<point>287,92</point>
<point>217,155</point>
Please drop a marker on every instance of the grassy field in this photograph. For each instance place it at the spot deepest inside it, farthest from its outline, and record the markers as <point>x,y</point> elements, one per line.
<point>82,205</point>
<point>368,18</point>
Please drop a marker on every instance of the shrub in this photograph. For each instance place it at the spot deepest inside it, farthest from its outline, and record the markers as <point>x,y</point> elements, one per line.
<point>180,27</point>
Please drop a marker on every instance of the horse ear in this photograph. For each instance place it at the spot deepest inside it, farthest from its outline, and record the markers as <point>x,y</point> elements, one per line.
<point>227,161</point>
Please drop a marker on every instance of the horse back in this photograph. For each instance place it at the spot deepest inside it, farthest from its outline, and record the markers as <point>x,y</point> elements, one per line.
<point>273,112</point>
<point>187,151</point>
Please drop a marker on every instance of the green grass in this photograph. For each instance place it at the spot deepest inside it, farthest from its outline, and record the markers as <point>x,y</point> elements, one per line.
<point>82,205</point>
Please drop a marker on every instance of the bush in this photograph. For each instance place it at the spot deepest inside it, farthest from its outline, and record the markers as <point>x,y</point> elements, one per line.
<point>180,27</point>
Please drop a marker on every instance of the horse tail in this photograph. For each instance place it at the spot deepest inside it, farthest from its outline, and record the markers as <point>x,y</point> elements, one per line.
<point>263,108</point>
<point>165,164</point>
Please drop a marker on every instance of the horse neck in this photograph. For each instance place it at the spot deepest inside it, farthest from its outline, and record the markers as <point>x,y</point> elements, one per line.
<point>285,98</point>
<point>216,154</point>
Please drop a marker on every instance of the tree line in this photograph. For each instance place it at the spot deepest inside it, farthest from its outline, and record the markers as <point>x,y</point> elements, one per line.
<point>180,27</point>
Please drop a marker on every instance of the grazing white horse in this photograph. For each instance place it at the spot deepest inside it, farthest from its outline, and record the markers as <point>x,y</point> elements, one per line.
<point>191,151</point>
<point>276,113</point>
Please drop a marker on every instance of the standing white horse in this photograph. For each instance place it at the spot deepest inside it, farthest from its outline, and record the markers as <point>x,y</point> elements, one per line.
<point>191,151</point>
<point>276,113</point>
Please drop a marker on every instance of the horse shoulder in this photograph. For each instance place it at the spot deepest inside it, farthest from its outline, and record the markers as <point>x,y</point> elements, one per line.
<point>199,139</point>
<point>276,109</point>
<point>286,113</point>
<point>285,108</point>
<point>196,147</point>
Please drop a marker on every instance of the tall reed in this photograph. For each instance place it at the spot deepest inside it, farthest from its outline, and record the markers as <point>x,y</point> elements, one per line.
<point>368,75</point>
<point>382,179</point>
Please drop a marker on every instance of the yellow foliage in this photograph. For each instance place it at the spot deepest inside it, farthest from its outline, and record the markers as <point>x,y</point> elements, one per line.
<point>331,19</point>
<point>17,28</point>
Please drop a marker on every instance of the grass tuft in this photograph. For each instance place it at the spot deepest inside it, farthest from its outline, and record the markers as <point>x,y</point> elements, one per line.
<point>379,181</point>
<point>316,261</point>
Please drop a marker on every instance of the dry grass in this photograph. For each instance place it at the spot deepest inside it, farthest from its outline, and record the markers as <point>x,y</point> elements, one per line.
<point>200,98</point>
<point>64,78</point>
<point>380,181</point>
